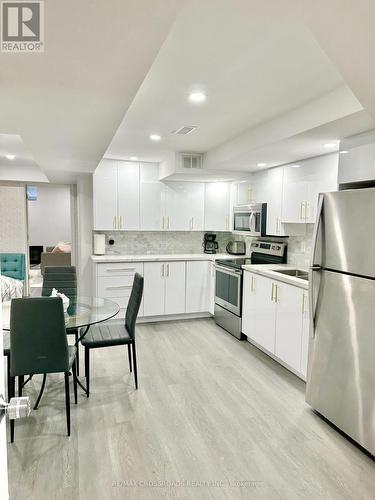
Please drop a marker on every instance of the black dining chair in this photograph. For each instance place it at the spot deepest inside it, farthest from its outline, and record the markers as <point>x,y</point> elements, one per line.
<point>38,345</point>
<point>108,335</point>
<point>64,279</point>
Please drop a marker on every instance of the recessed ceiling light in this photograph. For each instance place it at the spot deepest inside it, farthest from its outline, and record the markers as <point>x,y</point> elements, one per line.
<point>261,164</point>
<point>330,145</point>
<point>344,152</point>
<point>197,97</point>
<point>155,137</point>
<point>295,166</point>
<point>134,158</point>
<point>10,157</point>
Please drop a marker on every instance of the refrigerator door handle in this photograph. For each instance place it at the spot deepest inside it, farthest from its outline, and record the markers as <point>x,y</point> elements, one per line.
<point>314,267</point>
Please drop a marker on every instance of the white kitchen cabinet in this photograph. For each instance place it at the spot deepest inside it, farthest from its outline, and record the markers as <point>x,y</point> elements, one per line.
<point>267,187</point>
<point>302,185</point>
<point>184,206</point>
<point>217,206</point>
<point>262,301</point>
<point>212,291</point>
<point>164,288</point>
<point>128,195</point>
<point>244,192</point>
<point>358,164</point>
<point>275,317</point>
<point>174,287</point>
<point>116,196</point>
<point>105,195</point>
<point>305,333</point>
<point>151,198</point>
<point>289,324</point>
<point>198,286</point>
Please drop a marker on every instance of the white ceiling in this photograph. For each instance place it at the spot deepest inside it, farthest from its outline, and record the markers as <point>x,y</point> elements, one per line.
<point>67,102</point>
<point>256,61</point>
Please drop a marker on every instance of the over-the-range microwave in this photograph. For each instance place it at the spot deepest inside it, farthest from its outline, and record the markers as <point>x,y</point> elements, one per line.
<point>250,219</point>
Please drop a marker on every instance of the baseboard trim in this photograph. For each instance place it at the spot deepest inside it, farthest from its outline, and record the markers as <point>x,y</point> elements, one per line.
<point>173,317</point>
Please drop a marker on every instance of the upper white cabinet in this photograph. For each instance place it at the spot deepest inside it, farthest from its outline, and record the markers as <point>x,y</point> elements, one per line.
<point>217,206</point>
<point>358,164</point>
<point>151,198</point>
<point>116,195</point>
<point>302,184</point>
<point>198,286</point>
<point>184,206</point>
<point>267,187</point>
<point>105,195</point>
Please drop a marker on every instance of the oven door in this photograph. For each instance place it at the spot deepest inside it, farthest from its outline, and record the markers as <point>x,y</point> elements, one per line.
<point>228,289</point>
<point>249,222</point>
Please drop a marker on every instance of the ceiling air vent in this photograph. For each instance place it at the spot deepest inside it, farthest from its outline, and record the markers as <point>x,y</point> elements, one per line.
<point>191,160</point>
<point>184,130</point>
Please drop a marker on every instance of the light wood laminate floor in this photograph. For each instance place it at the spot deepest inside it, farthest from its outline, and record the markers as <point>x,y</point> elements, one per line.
<point>213,418</point>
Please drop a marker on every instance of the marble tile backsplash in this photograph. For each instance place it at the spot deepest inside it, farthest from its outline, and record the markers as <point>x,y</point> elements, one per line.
<point>177,242</point>
<point>159,242</point>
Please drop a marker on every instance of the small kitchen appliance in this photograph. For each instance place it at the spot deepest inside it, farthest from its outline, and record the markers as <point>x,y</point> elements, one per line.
<point>236,248</point>
<point>209,243</point>
<point>228,285</point>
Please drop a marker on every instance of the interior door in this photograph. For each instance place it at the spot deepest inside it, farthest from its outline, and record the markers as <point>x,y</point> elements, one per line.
<point>341,374</point>
<point>128,196</point>
<point>105,196</point>
<point>3,440</point>
<point>175,288</point>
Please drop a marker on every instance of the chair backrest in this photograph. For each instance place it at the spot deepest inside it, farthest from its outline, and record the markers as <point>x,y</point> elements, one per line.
<point>133,305</point>
<point>62,278</point>
<point>13,265</point>
<point>38,341</point>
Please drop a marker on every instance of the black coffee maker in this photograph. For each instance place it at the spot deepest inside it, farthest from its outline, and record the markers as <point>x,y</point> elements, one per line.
<point>209,244</point>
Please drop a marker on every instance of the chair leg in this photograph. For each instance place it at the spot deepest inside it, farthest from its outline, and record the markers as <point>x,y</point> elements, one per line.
<point>76,335</point>
<point>135,365</point>
<point>8,378</point>
<point>87,370</point>
<point>12,386</point>
<point>41,391</point>
<point>130,358</point>
<point>67,401</point>
<point>21,380</point>
<point>74,369</point>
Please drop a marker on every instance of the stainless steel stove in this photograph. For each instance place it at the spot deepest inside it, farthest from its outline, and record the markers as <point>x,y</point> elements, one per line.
<point>228,288</point>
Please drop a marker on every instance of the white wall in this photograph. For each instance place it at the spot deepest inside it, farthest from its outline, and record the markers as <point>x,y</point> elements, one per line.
<point>84,233</point>
<point>13,230</point>
<point>49,215</point>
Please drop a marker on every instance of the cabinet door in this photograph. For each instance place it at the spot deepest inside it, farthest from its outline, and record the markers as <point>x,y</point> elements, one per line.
<point>357,164</point>
<point>151,198</point>
<point>289,324</point>
<point>154,288</point>
<point>305,334</point>
<point>198,286</point>
<point>294,194</point>
<point>105,196</point>
<point>196,205</point>
<point>263,329</point>
<point>175,287</point>
<point>321,177</point>
<point>216,206</point>
<point>212,288</point>
<point>177,210</point>
<point>268,188</point>
<point>128,196</point>
<point>244,193</point>
<point>249,308</point>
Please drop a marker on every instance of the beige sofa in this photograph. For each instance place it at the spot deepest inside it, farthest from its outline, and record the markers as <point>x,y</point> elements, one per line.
<point>54,259</point>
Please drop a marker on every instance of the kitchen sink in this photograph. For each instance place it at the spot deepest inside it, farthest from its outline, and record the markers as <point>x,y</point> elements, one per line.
<point>296,273</point>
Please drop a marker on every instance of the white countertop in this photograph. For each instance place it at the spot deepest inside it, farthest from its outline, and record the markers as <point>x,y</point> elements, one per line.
<point>268,270</point>
<point>160,257</point>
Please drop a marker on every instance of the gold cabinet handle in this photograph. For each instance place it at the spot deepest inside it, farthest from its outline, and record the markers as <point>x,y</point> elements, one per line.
<point>252,289</point>
<point>162,222</point>
<point>115,222</point>
<point>272,292</point>
<point>162,270</point>
<point>303,304</point>
<point>167,270</point>
<point>120,222</point>
<point>167,221</point>
<point>301,211</point>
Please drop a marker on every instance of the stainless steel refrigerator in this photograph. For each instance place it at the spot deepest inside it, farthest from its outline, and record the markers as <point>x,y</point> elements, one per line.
<point>341,367</point>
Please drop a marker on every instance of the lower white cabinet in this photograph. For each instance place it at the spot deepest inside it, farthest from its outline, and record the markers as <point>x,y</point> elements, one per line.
<point>164,288</point>
<point>275,317</point>
<point>198,286</point>
<point>114,281</point>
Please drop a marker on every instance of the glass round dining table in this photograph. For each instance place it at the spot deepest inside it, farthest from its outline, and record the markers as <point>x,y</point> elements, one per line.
<point>81,314</point>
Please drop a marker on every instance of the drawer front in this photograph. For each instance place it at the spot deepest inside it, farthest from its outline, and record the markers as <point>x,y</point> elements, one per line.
<point>119,269</point>
<point>115,286</point>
